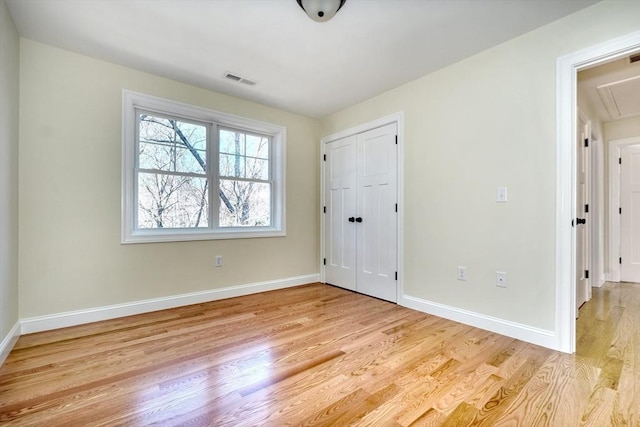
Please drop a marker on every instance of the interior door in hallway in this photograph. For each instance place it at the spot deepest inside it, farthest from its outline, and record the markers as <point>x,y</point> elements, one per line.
<point>630,213</point>
<point>583,288</point>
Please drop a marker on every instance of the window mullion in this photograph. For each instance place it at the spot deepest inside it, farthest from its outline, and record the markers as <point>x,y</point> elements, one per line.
<point>163,172</point>
<point>237,178</point>
<point>214,162</point>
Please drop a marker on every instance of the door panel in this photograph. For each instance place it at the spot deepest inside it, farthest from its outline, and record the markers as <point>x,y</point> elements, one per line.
<point>582,198</point>
<point>377,198</point>
<point>630,216</point>
<point>340,197</point>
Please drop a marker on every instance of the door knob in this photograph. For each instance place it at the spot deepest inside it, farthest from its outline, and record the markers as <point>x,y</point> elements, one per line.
<point>351,219</point>
<point>578,220</point>
<point>359,219</point>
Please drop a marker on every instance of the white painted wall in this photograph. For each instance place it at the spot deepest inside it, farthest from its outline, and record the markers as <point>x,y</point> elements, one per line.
<point>621,129</point>
<point>9,78</point>
<point>70,150</point>
<point>487,121</point>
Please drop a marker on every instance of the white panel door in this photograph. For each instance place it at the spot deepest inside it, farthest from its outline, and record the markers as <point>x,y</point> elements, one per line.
<point>361,195</point>
<point>340,204</point>
<point>583,289</point>
<point>376,216</point>
<point>630,214</point>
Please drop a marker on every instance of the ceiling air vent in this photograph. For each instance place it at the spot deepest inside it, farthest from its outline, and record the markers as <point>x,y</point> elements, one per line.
<point>240,79</point>
<point>634,58</point>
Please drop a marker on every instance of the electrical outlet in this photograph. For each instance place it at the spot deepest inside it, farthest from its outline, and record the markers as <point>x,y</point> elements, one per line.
<point>501,279</point>
<point>462,272</point>
<point>219,261</point>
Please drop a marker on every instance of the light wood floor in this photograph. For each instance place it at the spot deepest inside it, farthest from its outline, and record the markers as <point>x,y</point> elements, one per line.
<point>319,355</point>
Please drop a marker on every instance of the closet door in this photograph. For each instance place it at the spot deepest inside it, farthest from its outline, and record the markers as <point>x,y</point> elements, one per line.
<point>377,199</point>
<point>340,203</point>
<point>361,219</point>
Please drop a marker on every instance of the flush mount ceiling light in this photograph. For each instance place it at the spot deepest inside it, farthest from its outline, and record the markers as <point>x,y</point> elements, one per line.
<point>321,10</point>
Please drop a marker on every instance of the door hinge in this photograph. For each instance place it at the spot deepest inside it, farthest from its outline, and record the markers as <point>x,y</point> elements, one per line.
<point>324,157</point>
<point>586,274</point>
<point>619,160</point>
<point>324,261</point>
<point>324,209</point>
<point>620,260</point>
<point>396,207</point>
<point>396,139</point>
<point>586,142</point>
<point>586,208</point>
<point>620,211</point>
<point>572,223</point>
<point>396,275</point>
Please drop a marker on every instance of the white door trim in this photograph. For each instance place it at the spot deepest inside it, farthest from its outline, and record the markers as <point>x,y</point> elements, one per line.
<point>566,109</point>
<point>614,203</point>
<point>397,118</point>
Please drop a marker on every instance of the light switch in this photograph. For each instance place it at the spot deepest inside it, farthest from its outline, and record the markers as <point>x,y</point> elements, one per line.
<point>501,194</point>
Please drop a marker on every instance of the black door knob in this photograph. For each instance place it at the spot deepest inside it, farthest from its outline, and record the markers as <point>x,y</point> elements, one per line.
<point>359,219</point>
<point>581,220</point>
<point>351,219</point>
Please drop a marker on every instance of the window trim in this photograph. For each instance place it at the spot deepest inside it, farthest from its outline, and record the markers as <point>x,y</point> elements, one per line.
<point>132,101</point>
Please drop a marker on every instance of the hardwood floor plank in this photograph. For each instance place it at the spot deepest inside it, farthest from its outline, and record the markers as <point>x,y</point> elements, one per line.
<point>600,408</point>
<point>319,355</point>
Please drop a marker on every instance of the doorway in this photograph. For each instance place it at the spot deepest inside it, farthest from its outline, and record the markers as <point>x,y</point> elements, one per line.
<point>566,186</point>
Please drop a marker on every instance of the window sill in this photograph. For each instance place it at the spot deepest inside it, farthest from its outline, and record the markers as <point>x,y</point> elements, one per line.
<point>152,236</point>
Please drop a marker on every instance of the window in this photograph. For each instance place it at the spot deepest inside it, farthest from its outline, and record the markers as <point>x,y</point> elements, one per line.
<point>192,174</point>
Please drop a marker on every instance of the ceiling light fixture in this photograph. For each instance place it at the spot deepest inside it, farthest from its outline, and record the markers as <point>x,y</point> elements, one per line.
<point>321,10</point>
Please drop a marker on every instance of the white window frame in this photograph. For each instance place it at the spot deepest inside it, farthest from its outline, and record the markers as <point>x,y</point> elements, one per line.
<point>131,102</point>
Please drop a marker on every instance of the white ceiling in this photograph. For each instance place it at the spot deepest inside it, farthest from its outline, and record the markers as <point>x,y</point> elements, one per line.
<point>612,89</point>
<point>300,65</point>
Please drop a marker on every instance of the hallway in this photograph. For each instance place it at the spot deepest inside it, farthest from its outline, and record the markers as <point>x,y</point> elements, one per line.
<point>608,338</point>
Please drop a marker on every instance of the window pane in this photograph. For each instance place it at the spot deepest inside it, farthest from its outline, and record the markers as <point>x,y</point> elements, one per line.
<point>243,155</point>
<point>232,142</point>
<point>244,167</point>
<point>244,204</point>
<point>232,165</point>
<point>171,145</point>
<point>172,201</point>
<point>257,146</point>
<point>257,168</point>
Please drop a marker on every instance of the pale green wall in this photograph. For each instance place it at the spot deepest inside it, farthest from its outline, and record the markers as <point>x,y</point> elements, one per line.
<point>487,121</point>
<point>70,180</point>
<point>9,78</point>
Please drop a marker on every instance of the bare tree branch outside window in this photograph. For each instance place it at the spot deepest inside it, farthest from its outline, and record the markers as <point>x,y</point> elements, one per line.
<point>173,183</point>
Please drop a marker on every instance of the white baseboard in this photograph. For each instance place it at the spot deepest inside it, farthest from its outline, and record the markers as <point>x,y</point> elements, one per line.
<point>519,331</point>
<point>9,341</point>
<point>600,283</point>
<point>79,317</point>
